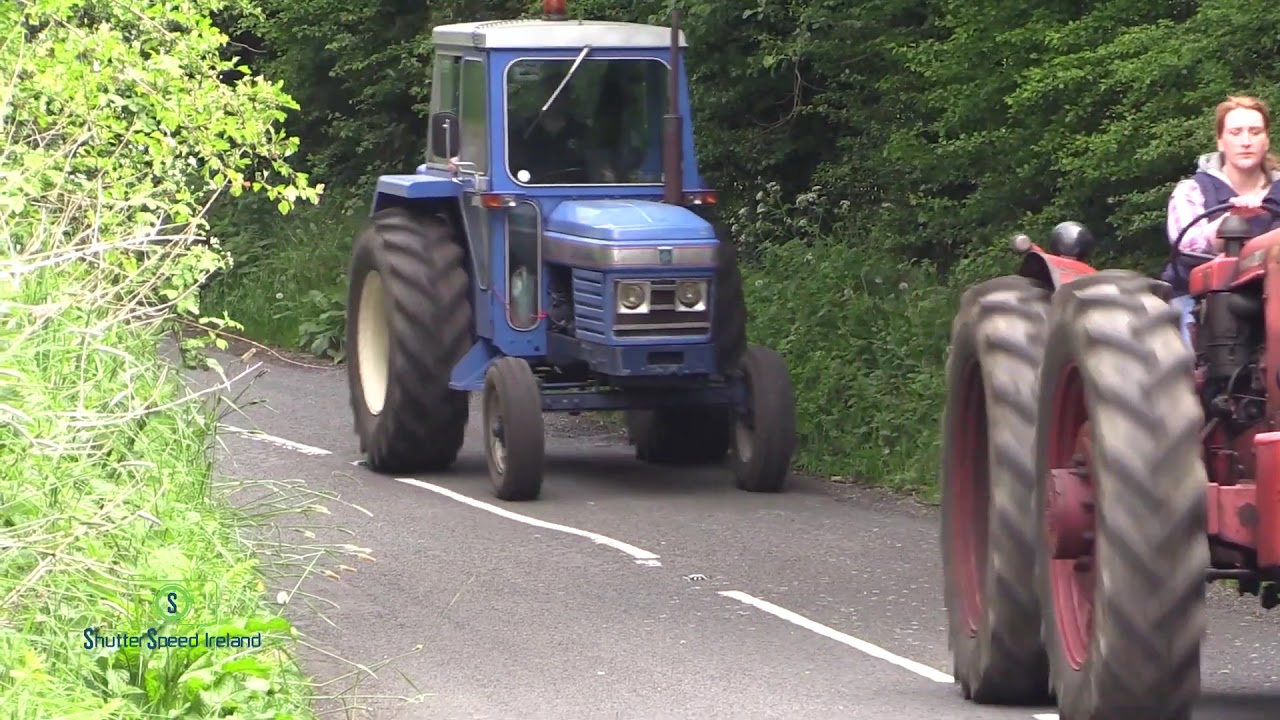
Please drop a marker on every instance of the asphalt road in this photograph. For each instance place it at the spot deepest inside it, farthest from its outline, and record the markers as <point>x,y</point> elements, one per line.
<point>633,592</point>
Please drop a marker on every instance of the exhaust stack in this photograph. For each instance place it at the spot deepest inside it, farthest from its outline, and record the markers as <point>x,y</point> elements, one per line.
<point>672,146</point>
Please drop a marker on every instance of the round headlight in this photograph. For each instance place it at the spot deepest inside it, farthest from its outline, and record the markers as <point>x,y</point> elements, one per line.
<point>689,293</point>
<point>631,295</point>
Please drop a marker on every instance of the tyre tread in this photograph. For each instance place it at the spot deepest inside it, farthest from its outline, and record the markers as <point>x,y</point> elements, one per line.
<point>423,421</point>
<point>1000,324</point>
<point>1152,529</point>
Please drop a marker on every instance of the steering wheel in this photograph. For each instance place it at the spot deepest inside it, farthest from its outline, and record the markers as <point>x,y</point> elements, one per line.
<point>1271,209</point>
<point>545,177</point>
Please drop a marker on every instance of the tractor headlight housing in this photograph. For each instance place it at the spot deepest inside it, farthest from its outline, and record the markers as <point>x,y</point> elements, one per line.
<point>633,296</point>
<point>691,295</point>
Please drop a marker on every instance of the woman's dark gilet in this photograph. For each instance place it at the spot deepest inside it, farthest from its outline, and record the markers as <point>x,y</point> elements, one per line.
<point>1216,192</point>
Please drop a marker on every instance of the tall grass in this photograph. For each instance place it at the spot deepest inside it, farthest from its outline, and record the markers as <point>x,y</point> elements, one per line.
<point>288,286</point>
<point>106,454</point>
<point>866,334</point>
<point>105,468</point>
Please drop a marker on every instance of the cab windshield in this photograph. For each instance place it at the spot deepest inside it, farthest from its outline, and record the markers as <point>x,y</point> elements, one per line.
<point>604,128</point>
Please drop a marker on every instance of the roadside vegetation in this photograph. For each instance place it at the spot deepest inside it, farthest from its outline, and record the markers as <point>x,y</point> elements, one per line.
<point>873,158</point>
<point>121,123</point>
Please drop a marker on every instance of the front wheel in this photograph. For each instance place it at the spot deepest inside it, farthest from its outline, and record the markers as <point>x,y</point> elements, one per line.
<point>514,437</point>
<point>764,437</point>
<point>1121,499</point>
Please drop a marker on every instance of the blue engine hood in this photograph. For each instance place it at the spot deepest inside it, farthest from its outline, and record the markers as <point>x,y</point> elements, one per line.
<point>627,221</point>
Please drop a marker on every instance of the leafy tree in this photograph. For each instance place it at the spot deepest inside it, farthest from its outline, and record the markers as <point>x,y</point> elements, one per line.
<point>361,72</point>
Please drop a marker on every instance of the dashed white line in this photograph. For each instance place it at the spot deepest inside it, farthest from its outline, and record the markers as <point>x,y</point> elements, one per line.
<point>1045,716</point>
<point>642,557</point>
<point>861,645</point>
<point>648,559</point>
<point>273,440</point>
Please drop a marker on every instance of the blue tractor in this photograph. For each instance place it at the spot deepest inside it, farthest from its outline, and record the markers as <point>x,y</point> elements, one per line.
<point>548,255</point>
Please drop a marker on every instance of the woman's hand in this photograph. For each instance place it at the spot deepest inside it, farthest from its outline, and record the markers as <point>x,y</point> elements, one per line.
<point>1248,205</point>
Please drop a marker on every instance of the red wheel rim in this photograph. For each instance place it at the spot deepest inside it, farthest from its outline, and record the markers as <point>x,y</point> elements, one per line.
<point>1072,581</point>
<point>970,489</point>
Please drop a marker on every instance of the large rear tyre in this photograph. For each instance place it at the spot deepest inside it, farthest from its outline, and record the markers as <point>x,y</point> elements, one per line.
<point>514,436</point>
<point>1121,500</point>
<point>409,320</point>
<point>681,435</point>
<point>988,480</point>
<point>764,437</point>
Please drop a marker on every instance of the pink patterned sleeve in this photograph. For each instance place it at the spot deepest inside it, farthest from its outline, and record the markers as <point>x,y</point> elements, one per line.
<point>1185,203</point>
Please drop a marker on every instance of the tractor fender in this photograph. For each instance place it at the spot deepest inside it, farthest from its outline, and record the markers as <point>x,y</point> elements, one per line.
<point>1053,271</point>
<point>416,190</point>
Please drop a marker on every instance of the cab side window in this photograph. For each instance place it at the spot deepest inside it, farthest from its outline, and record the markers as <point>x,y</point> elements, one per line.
<point>474,113</point>
<point>445,93</point>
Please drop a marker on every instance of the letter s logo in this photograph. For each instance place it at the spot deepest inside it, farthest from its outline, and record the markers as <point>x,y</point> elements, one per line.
<point>173,603</point>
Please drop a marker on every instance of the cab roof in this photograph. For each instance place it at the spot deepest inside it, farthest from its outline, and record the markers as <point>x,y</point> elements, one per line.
<point>536,34</point>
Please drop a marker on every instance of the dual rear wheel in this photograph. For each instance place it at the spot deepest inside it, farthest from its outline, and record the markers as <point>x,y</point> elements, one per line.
<point>1074,520</point>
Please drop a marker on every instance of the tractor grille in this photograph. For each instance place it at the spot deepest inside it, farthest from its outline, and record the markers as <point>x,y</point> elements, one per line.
<point>588,304</point>
<point>663,320</point>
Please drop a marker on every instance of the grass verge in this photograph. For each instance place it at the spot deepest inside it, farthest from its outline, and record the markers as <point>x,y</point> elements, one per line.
<point>115,545</point>
<point>105,499</point>
<point>866,343</point>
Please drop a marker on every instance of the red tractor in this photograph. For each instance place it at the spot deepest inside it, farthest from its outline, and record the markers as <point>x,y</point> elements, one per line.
<point>1097,473</point>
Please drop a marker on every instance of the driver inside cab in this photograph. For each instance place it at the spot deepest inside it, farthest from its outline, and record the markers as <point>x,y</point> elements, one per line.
<point>1242,172</point>
<point>551,147</point>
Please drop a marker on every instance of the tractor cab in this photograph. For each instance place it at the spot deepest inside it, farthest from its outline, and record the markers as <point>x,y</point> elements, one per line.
<point>570,142</point>
<point>555,107</point>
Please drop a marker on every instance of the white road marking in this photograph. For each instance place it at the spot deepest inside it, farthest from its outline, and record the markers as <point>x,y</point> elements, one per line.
<point>861,645</point>
<point>642,557</point>
<point>277,441</point>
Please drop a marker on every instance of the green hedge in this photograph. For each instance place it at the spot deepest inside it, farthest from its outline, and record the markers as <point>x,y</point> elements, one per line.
<point>106,456</point>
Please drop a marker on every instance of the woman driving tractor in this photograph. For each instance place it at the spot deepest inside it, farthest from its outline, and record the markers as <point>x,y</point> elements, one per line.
<point>1242,172</point>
